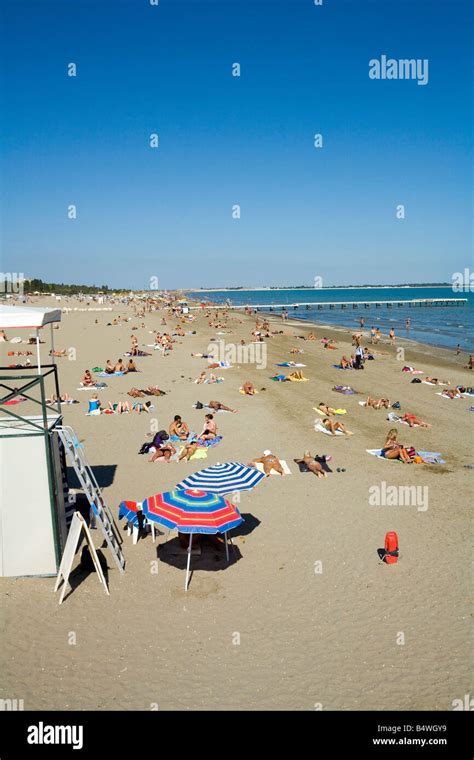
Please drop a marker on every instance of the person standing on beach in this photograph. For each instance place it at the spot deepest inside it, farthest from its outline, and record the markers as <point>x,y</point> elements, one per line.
<point>458,349</point>
<point>362,323</point>
<point>391,335</point>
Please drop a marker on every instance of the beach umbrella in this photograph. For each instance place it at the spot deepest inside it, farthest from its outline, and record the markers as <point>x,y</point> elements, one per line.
<point>223,478</point>
<point>130,510</point>
<point>192,511</point>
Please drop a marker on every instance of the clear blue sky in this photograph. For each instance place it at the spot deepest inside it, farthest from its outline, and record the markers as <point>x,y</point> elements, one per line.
<point>166,213</point>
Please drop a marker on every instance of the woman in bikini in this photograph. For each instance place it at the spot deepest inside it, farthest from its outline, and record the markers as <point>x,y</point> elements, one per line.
<point>378,403</point>
<point>209,430</point>
<point>392,449</point>
<point>88,380</point>
<point>334,427</point>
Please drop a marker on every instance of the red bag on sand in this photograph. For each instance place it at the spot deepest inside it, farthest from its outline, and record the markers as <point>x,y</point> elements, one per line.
<point>391,548</point>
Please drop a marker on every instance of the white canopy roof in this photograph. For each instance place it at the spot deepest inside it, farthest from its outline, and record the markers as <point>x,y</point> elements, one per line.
<point>21,316</point>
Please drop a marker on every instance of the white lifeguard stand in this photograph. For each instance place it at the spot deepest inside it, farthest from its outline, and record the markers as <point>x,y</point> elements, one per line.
<point>34,507</point>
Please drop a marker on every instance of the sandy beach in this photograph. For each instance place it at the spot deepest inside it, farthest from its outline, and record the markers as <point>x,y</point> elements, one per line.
<point>305,616</point>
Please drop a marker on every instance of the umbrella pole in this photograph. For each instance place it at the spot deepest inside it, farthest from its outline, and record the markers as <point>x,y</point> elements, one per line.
<point>226,546</point>
<point>189,562</point>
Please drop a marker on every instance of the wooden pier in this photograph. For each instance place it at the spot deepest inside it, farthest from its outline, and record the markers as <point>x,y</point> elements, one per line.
<point>412,303</point>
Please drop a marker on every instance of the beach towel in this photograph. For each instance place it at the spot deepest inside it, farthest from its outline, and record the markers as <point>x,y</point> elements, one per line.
<point>109,374</point>
<point>429,457</point>
<point>298,379</point>
<point>98,387</point>
<point>425,382</point>
<point>286,469</point>
<point>191,437</point>
<point>139,353</point>
<point>289,364</point>
<point>241,390</point>
<point>338,366</point>
<point>198,454</point>
<point>279,378</point>
<point>15,340</point>
<point>320,427</point>
<point>449,399</point>
<point>346,389</point>
<point>323,414</point>
<point>14,401</point>
<point>392,417</point>
<point>210,443</point>
<point>412,371</point>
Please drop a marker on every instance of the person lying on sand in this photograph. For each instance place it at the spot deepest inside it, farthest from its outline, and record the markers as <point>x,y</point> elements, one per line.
<point>451,393</point>
<point>333,426</point>
<point>179,428</point>
<point>218,405</point>
<point>165,452</point>
<point>327,409</point>
<point>313,465</point>
<point>435,381</point>
<point>201,379</point>
<point>296,375</point>
<point>64,397</point>
<point>58,352</point>
<point>137,406</point>
<point>392,449</point>
<point>381,403</point>
<point>248,388</point>
<point>412,421</point>
<point>120,407</point>
<point>269,462</point>
<point>188,450</point>
<point>209,430</point>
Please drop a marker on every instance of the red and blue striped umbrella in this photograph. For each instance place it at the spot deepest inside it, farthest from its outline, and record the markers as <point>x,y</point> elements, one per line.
<point>129,510</point>
<point>192,511</point>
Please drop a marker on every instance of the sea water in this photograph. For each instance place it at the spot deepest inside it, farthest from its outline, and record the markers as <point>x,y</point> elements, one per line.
<point>444,326</point>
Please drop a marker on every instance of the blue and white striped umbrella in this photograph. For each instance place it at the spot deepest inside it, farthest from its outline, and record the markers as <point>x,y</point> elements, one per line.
<point>223,478</point>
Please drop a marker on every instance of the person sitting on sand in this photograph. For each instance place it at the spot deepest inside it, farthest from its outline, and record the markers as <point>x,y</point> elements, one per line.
<point>209,430</point>
<point>3,337</point>
<point>392,449</point>
<point>218,405</point>
<point>201,379</point>
<point>312,465</point>
<point>188,450</point>
<point>120,367</point>
<point>311,336</point>
<point>269,461</point>
<point>109,367</point>
<point>94,404</point>
<point>345,363</point>
<point>131,366</point>
<point>248,388</point>
<point>333,426</point>
<point>326,409</point>
<point>179,428</point>
<point>88,380</point>
<point>412,421</point>
<point>378,403</point>
<point>165,452</point>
